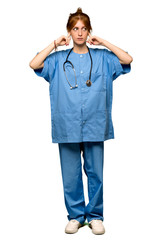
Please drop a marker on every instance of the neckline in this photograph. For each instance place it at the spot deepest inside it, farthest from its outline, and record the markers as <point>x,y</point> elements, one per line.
<point>80,53</point>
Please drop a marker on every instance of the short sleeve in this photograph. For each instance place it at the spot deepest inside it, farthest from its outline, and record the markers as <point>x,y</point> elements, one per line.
<point>117,68</point>
<point>48,69</point>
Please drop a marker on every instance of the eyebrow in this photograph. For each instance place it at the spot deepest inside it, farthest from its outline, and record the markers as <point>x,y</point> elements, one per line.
<point>78,27</point>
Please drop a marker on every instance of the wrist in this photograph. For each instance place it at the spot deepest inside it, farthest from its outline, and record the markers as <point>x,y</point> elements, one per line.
<point>55,41</point>
<point>102,42</point>
<point>107,44</point>
<point>55,45</point>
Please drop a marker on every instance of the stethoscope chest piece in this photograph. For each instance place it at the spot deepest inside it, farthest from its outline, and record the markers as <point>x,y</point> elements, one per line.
<point>88,83</point>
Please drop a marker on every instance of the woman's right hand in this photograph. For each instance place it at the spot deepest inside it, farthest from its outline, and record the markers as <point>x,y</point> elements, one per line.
<point>63,40</point>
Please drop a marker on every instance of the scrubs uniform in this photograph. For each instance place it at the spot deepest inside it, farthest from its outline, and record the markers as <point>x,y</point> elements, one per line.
<point>93,155</point>
<point>81,122</point>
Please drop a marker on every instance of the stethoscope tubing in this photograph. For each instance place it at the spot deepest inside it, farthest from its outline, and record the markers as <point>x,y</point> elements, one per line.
<point>74,68</point>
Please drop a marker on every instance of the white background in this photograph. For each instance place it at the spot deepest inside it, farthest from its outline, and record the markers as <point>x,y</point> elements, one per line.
<point>31,191</point>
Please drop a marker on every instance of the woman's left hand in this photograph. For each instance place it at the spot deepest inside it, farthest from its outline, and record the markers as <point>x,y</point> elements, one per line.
<point>94,40</point>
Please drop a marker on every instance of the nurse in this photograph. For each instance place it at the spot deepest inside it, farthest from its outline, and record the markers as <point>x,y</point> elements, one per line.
<point>80,86</point>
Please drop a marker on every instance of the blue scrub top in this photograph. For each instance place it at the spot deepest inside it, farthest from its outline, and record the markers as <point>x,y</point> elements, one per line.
<point>83,113</point>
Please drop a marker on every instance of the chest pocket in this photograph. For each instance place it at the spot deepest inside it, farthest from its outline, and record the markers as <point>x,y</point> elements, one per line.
<point>98,82</point>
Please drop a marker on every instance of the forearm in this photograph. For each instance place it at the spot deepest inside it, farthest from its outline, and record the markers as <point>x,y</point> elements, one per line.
<point>41,56</point>
<point>123,56</point>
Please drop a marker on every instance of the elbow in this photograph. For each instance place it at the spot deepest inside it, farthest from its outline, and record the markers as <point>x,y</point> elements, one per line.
<point>30,65</point>
<point>128,61</point>
<point>131,60</point>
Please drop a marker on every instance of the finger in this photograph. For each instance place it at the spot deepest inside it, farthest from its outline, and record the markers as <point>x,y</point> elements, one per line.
<point>68,38</point>
<point>89,39</point>
<point>67,41</point>
<point>69,34</point>
<point>90,35</point>
<point>89,42</point>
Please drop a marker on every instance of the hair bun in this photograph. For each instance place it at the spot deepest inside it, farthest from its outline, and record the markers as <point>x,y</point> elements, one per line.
<point>79,10</point>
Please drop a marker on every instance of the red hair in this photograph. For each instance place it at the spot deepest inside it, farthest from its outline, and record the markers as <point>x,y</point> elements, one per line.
<point>79,15</point>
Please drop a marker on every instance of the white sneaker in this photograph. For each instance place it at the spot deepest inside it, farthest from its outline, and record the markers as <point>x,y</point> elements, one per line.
<point>97,226</point>
<point>72,226</point>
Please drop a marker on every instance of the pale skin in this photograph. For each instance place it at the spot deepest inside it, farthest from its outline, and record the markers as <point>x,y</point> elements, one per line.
<point>79,45</point>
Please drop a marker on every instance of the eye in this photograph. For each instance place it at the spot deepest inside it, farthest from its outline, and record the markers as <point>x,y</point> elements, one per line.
<point>84,29</point>
<point>75,28</point>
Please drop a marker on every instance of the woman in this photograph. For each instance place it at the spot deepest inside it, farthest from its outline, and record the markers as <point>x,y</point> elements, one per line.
<point>81,102</point>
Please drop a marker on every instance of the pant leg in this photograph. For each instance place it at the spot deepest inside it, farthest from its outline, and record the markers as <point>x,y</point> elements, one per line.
<point>71,168</point>
<point>93,154</point>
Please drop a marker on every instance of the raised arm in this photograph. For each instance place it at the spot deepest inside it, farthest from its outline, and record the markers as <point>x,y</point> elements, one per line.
<point>38,60</point>
<point>124,57</point>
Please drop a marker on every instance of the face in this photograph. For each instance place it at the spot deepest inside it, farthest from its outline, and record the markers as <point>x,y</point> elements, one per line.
<point>79,33</point>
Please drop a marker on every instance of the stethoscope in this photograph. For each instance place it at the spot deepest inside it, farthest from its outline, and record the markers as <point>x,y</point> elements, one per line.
<point>88,82</point>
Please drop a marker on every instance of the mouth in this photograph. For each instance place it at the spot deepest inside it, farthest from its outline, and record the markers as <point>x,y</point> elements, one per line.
<point>79,38</point>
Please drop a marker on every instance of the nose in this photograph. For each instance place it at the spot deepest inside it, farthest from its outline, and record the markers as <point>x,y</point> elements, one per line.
<point>80,32</point>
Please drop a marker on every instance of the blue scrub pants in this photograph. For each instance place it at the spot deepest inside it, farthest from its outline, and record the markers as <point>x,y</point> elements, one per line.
<point>71,167</point>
